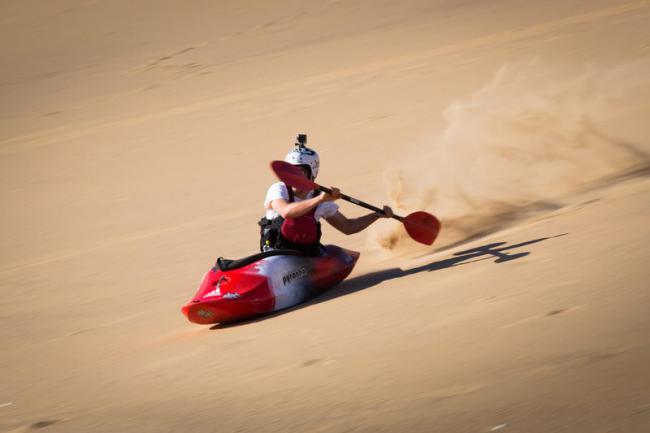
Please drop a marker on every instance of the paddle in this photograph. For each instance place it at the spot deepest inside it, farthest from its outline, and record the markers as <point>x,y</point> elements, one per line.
<point>421,226</point>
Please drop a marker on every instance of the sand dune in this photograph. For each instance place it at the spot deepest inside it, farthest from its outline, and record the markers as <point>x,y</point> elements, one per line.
<point>134,146</point>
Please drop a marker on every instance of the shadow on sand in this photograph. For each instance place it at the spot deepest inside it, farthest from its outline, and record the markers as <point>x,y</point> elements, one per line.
<point>497,251</point>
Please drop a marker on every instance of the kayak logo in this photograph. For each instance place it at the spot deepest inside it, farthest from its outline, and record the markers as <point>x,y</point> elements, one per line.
<point>217,290</point>
<point>298,273</point>
<point>205,314</point>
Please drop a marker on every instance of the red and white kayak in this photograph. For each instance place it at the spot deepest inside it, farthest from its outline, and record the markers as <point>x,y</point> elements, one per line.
<point>266,282</point>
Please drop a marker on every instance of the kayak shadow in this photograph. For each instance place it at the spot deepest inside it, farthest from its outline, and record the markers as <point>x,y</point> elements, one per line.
<point>500,252</point>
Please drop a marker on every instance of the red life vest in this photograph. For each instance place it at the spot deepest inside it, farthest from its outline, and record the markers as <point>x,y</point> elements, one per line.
<point>302,233</point>
<point>301,230</point>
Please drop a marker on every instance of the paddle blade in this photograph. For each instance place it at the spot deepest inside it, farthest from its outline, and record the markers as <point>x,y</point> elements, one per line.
<point>292,176</point>
<point>422,227</point>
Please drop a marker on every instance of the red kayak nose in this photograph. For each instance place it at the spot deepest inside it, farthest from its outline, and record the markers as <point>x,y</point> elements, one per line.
<point>206,314</point>
<point>224,297</point>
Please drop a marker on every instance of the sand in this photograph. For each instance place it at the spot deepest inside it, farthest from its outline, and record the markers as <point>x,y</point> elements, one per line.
<point>134,150</point>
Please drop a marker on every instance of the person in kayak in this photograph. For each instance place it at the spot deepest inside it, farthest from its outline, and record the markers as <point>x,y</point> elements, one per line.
<point>293,216</point>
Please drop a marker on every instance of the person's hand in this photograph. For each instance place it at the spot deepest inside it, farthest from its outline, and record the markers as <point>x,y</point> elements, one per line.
<point>388,212</point>
<point>332,196</point>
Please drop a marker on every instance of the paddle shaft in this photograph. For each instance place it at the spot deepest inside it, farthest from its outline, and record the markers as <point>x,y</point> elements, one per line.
<point>421,226</point>
<point>359,203</point>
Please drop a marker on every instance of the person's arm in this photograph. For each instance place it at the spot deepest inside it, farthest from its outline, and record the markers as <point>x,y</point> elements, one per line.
<point>298,209</point>
<point>355,225</point>
<point>295,209</point>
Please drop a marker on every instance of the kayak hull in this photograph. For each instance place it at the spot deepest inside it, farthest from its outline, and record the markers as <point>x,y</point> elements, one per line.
<point>267,285</point>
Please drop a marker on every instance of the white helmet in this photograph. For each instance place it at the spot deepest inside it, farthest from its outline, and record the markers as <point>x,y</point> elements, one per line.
<point>302,155</point>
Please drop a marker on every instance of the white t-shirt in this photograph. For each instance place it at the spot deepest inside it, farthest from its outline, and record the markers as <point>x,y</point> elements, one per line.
<point>279,190</point>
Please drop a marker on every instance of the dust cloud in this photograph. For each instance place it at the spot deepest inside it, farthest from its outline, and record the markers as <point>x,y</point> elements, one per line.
<point>518,144</point>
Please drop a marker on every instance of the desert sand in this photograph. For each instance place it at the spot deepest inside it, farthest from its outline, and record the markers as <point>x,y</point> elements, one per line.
<point>135,139</point>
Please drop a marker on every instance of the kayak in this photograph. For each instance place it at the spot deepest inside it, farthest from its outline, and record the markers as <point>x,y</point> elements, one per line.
<point>266,282</point>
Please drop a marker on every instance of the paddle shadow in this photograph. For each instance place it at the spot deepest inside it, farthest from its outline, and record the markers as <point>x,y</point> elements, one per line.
<point>497,251</point>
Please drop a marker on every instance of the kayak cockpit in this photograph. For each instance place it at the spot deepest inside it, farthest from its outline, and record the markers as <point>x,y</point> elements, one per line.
<point>229,265</point>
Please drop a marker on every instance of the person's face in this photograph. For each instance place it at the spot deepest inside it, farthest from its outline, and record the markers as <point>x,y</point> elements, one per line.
<point>305,171</point>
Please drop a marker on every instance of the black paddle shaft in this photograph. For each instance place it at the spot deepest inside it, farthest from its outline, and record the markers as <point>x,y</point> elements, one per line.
<point>360,203</point>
